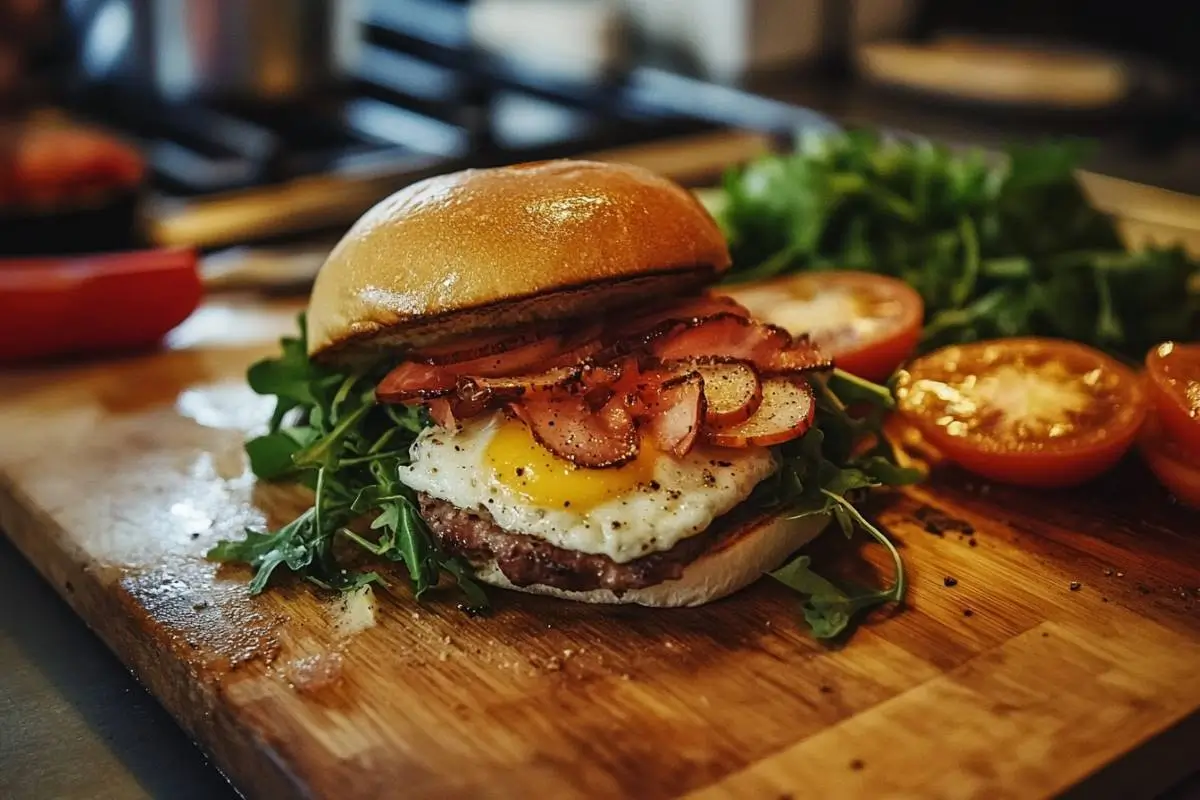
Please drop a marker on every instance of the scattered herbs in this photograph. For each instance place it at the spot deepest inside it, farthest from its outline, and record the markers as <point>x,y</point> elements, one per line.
<point>328,433</point>
<point>996,247</point>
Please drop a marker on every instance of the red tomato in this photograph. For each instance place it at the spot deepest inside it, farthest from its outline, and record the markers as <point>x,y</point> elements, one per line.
<point>869,323</point>
<point>96,303</point>
<point>1178,471</point>
<point>1032,412</point>
<point>1174,372</point>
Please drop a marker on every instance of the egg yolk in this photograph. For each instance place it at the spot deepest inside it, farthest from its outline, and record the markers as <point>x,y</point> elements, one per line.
<point>547,481</point>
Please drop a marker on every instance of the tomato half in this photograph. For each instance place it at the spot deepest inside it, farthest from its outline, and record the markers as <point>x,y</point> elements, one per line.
<point>1175,469</point>
<point>1032,412</point>
<point>1174,373</point>
<point>869,323</point>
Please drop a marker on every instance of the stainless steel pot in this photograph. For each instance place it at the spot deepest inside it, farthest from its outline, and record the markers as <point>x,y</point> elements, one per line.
<point>253,49</point>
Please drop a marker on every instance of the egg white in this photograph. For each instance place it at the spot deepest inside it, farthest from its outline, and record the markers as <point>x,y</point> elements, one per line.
<point>691,492</point>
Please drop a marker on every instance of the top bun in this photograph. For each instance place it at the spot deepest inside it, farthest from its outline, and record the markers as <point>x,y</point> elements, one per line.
<point>495,247</point>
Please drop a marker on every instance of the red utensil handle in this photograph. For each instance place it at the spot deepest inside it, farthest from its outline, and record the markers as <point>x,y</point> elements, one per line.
<point>89,304</point>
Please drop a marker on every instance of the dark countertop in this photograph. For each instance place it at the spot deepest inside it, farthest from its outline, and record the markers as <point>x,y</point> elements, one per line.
<point>73,722</point>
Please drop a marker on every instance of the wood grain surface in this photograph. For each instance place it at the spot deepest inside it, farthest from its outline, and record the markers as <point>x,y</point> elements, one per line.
<point>1063,656</point>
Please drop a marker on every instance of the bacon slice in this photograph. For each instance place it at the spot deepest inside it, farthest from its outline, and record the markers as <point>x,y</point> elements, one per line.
<point>770,348</point>
<point>518,385</point>
<point>519,360</point>
<point>474,347</point>
<point>415,381</point>
<point>567,426</point>
<point>441,411</point>
<point>786,413</point>
<point>677,414</point>
<point>802,356</point>
<point>725,337</point>
<point>691,312</point>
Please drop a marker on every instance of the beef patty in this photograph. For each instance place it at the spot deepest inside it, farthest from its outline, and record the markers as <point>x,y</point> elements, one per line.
<point>526,560</point>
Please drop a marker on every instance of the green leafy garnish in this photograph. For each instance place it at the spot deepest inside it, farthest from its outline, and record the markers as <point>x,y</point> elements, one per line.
<point>824,473</point>
<point>330,434</point>
<point>996,247</point>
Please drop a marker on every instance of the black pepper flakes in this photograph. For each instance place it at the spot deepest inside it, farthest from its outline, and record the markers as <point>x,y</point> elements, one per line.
<point>1144,589</point>
<point>968,612</point>
<point>616,525</point>
<point>566,503</point>
<point>1076,586</point>
<point>857,765</point>
<point>654,486</point>
<point>824,689</point>
<point>949,581</point>
<point>520,472</point>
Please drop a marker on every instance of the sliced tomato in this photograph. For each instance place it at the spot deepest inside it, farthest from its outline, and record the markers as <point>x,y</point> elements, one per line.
<point>868,323</point>
<point>1174,381</point>
<point>1032,412</point>
<point>1175,468</point>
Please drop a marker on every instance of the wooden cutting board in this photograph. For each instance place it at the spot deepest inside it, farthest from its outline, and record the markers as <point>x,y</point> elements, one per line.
<point>1065,655</point>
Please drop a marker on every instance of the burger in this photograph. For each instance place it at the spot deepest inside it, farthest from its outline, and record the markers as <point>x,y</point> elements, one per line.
<point>515,376</point>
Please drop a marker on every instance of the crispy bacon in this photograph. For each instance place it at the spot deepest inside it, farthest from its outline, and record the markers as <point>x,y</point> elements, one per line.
<point>692,312</point>
<point>441,411</point>
<point>802,356</point>
<point>590,395</point>
<point>415,381</point>
<point>677,413</point>
<point>474,347</point>
<point>567,427</point>
<point>770,348</point>
<point>523,359</point>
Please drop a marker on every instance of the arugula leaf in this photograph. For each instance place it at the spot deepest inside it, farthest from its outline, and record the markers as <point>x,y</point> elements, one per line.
<point>291,545</point>
<point>271,454</point>
<point>828,609</point>
<point>347,448</point>
<point>817,476</point>
<point>995,246</point>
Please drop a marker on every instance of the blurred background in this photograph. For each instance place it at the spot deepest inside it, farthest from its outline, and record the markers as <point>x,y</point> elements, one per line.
<point>227,123</point>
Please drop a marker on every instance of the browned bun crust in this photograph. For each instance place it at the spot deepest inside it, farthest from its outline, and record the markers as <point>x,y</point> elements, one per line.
<point>495,247</point>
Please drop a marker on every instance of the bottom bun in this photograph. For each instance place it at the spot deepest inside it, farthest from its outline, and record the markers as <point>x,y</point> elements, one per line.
<point>738,561</point>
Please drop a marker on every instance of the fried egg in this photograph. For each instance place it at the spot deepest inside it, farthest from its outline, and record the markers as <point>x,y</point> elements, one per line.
<point>494,464</point>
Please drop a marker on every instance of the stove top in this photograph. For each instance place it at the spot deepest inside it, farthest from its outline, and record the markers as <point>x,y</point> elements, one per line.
<point>420,101</point>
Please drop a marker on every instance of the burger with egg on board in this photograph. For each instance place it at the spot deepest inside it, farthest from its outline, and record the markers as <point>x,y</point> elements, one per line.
<point>516,377</point>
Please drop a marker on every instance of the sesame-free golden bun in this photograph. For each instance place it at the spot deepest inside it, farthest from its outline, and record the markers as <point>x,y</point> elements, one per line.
<point>491,248</point>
